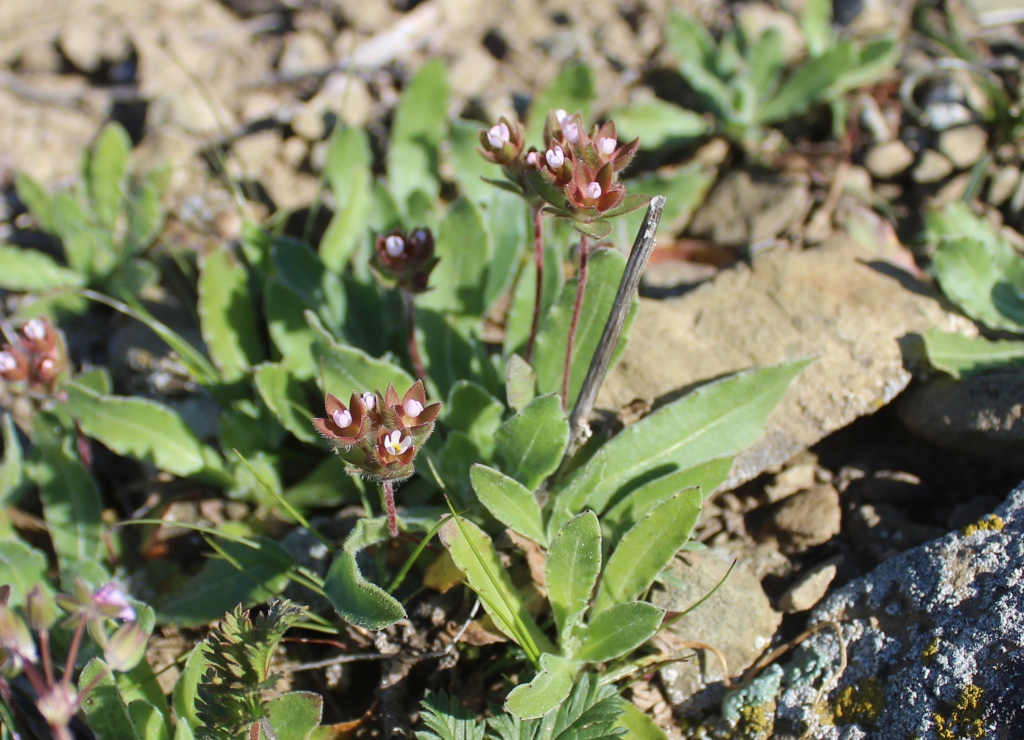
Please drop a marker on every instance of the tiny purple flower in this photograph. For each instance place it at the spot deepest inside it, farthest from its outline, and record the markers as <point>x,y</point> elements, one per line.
<point>593,191</point>
<point>396,444</point>
<point>111,601</point>
<point>555,157</point>
<point>342,417</point>
<point>498,135</point>
<point>369,400</point>
<point>607,145</point>
<point>533,159</point>
<point>413,407</point>
<point>394,245</point>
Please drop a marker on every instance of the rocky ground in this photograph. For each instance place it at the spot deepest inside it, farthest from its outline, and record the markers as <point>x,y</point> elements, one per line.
<point>798,252</point>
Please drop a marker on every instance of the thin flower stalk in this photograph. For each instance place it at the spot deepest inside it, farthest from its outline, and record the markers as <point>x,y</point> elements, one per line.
<point>538,251</point>
<point>414,348</point>
<point>574,323</point>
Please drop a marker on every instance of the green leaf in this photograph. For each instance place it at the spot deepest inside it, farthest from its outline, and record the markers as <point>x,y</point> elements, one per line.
<point>21,567</point>
<point>30,271</point>
<point>816,23</point>
<point>295,715</point>
<point>185,692</point>
<point>807,86</point>
<point>638,725</point>
<point>448,719</point>
<point>107,713</point>
<point>529,445</point>
<point>520,382</point>
<point>574,562</point>
<point>975,273</point>
<point>509,502</point>
<point>520,315</point>
<point>469,166</point>
<point>474,554</point>
<point>507,218</point>
<point>464,246</point>
<point>71,501</point>
<point>250,575</point>
<point>689,40</point>
<point>420,124</point>
<point>767,61</point>
<point>226,315</point>
<point>148,721</point>
<point>707,476</point>
<point>139,428</point>
<point>874,60</point>
<point>647,548</point>
<point>347,369</point>
<point>956,354</point>
<point>140,684</point>
<point>546,691</point>
<point>326,485</point>
<point>86,247</point>
<point>12,471</point>
<point>108,162</point>
<point>573,89</point>
<point>475,412</point>
<point>145,212</point>
<point>719,419</point>
<point>299,268</point>
<point>619,630</point>
<point>356,599</point>
<point>604,272</point>
<point>449,351</point>
<point>286,323</point>
<point>684,191</point>
<point>348,170</point>
<point>285,396</point>
<point>37,200</point>
<point>715,95</point>
<point>589,712</point>
<point>657,123</point>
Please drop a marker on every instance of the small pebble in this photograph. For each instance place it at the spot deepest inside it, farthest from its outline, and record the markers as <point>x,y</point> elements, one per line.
<point>964,145</point>
<point>932,167</point>
<point>887,160</point>
<point>809,590</point>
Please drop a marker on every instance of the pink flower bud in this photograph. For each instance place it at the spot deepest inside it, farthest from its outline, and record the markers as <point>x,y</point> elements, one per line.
<point>561,115</point>
<point>394,245</point>
<point>607,145</point>
<point>126,647</point>
<point>342,417</point>
<point>572,132</point>
<point>35,330</point>
<point>498,135</point>
<point>7,362</point>
<point>369,400</point>
<point>533,159</point>
<point>111,601</point>
<point>593,191</point>
<point>555,157</point>
<point>413,407</point>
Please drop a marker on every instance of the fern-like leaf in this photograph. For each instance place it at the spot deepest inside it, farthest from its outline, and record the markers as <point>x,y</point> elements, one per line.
<point>589,713</point>
<point>229,698</point>
<point>448,719</point>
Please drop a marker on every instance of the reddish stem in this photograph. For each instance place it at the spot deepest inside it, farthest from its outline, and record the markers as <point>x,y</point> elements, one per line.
<point>538,253</point>
<point>389,504</point>
<point>567,372</point>
<point>76,643</point>
<point>414,350</point>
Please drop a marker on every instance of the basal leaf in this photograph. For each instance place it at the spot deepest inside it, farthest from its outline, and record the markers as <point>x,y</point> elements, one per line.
<point>108,162</point>
<point>658,122</point>
<point>971,271</point>
<point>621,517</point>
<point>12,472</point>
<point>605,268</point>
<point>347,169</point>
<point>520,315</point>
<point>520,382</point>
<point>226,315</point>
<point>148,721</point>
<point>475,412</point>
<point>719,419</point>
<point>103,705</point>
<point>507,218</point>
<point>87,247</point>
<point>285,311</point>
<point>619,631</point>
<point>807,86</point>
<point>355,598</point>
<point>31,271</point>
<point>347,369</point>
<point>509,502</point>
<point>646,549</point>
<point>21,567</point>
<point>638,725</point>
<point>470,168</point>
<point>529,445</point>
<point>37,200</point>
<point>295,715</point>
<point>139,428</point>
<point>464,246</point>
<point>546,691</point>
<point>420,123</point>
<point>284,394</point>
<point>956,354</point>
<point>473,552</point>
<point>185,693</point>
<point>574,562</point>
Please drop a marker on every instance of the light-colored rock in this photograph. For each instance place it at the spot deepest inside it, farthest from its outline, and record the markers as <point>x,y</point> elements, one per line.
<point>740,634</point>
<point>744,208</point>
<point>809,590</point>
<point>94,38</point>
<point>805,519</point>
<point>888,159</point>
<point>304,53</point>
<point>932,167</point>
<point>1003,185</point>
<point>309,122</point>
<point>980,415</point>
<point>294,151</point>
<point>842,303</point>
<point>874,16</point>
<point>934,640</point>
<point>963,145</point>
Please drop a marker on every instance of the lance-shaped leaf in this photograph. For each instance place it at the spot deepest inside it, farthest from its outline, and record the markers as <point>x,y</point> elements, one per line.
<point>984,278</point>
<point>574,562</point>
<point>719,419</point>
<point>21,568</point>
<point>529,445</point>
<point>509,502</point>
<point>619,630</point>
<point>646,549</point>
<point>12,470</point>
<point>419,126</point>
<point>226,315</point>
<point>473,552</point>
<point>956,354</point>
<point>347,369</point>
<point>139,428</point>
<point>604,271</point>
<point>347,169</point>
<point>31,271</point>
<point>637,724</point>
<point>546,691</point>
<point>474,412</point>
<point>107,163</point>
<point>284,395</point>
<point>464,247</point>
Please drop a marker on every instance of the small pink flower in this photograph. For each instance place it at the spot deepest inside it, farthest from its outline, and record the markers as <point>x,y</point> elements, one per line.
<point>593,191</point>
<point>112,601</point>
<point>394,245</point>
<point>555,157</point>
<point>498,135</point>
<point>396,444</point>
<point>412,407</point>
<point>607,145</point>
<point>369,400</point>
<point>342,417</point>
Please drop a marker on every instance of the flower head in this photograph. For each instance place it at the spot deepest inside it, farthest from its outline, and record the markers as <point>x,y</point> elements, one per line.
<point>502,143</point>
<point>405,260</point>
<point>344,426</point>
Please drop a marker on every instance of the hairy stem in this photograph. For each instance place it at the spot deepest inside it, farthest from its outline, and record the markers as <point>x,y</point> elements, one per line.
<point>538,253</point>
<point>414,350</point>
<point>389,505</point>
<point>567,372</point>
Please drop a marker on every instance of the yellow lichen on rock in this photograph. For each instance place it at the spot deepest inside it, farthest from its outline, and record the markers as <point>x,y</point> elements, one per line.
<point>859,703</point>
<point>966,720</point>
<point>990,523</point>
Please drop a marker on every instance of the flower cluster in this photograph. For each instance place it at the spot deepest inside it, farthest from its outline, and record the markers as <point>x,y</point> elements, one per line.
<point>405,260</point>
<point>57,697</point>
<point>576,174</point>
<point>39,360</point>
<point>378,434</point>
